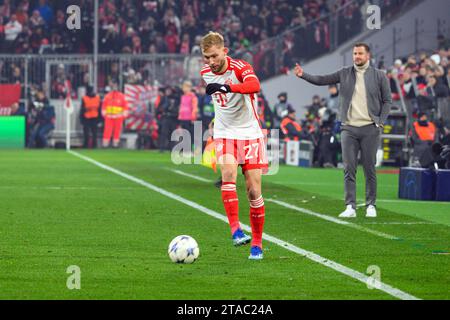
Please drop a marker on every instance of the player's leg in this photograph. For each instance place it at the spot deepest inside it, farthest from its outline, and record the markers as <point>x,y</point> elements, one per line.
<point>228,167</point>
<point>257,211</point>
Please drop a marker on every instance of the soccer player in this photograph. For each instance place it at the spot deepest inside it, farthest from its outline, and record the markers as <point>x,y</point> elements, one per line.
<point>239,139</point>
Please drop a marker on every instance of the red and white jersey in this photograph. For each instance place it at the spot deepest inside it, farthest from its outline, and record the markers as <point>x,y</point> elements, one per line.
<point>236,116</point>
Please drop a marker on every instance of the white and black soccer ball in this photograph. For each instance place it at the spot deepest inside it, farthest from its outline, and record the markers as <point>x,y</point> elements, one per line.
<point>183,249</point>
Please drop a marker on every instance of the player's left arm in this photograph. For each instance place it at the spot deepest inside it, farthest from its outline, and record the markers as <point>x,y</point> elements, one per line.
<point>249,83</point>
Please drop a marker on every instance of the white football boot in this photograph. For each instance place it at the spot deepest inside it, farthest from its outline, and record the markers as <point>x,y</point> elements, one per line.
<point>371,212</point>
<point>348,213</point>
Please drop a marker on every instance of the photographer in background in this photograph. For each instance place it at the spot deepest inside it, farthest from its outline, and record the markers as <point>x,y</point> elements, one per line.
<point>42,120</point>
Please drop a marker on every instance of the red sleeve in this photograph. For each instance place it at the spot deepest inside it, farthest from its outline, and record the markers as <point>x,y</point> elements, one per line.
<point>246,75</point>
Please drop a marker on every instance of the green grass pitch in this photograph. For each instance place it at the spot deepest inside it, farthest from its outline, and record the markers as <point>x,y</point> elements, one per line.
<point>57,210</point>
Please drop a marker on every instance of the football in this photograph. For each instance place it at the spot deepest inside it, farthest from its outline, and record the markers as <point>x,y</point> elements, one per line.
<point>183,249</point>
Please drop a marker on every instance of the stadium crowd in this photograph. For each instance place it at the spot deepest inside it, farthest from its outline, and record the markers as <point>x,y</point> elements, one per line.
<point>421,83</point>
<point>174,27</point>
<point>33,26</point>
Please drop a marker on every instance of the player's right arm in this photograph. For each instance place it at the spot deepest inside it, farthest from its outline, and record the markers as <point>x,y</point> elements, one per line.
<point>324,80</point>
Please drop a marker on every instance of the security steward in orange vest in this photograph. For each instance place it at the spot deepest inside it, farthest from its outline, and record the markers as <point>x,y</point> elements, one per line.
<point>90,116</point>
<point>114,111</point>
<point>423,134</point>
<point>290,128</point>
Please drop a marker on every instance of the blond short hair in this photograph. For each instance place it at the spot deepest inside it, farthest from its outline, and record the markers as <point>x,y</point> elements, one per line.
<point>212,39</point>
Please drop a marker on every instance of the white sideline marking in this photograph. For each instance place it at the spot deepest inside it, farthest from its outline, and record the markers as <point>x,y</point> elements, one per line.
<point>334,220</point>
<point>62,188</point>
<point>400,223</point>
<point>190,176</point>
<point>397,293</point>
<point>406,201</point>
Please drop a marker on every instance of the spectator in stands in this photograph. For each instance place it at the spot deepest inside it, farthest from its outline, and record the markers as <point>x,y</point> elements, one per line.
<point>21,15</point>
<point>36,20</point>
<point>292,130</point>
<point>313,109</point>
<point>18,109</point>
<point>5,9</point>
<point>17,76</point>
<point>109,39</point>
<point>437,87</point>
<point>43,121</point>
<point>280,109</point>
<point>206,107</point>
<point>185,46</point>
<point>89,117</point>
<point>188,111</point>
<point>172,41</point>
<point>445,155</point>
<point>423,134</point>
<point>169,120</point>
<point>265,114</point>
<point>45,11</point>
<point>425,100</point>
<point>333,98</point>
<point>327,142</point>
<point>12,29</point>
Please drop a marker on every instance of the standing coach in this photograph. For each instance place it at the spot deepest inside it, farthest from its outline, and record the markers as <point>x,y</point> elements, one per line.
<point>365,101</point>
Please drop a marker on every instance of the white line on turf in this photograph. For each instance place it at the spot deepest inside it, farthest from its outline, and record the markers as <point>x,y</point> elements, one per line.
<point>407,201</point>
<point>401,223</point>
<point>332,219</point>
<point>397,293</point>
<point>63,188</point>
<point>322,216</point>
<point>190,176</point>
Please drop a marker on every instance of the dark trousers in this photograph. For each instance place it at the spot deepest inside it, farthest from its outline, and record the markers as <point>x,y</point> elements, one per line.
<point>188,125</point>
<point>39,135</point>
<point>168,125</point>
<point>90,132</point>
<point>353,140</point>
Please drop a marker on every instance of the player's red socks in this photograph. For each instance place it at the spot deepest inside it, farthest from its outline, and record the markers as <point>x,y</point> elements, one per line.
<point>231,204</point>
<point>257,220</point>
